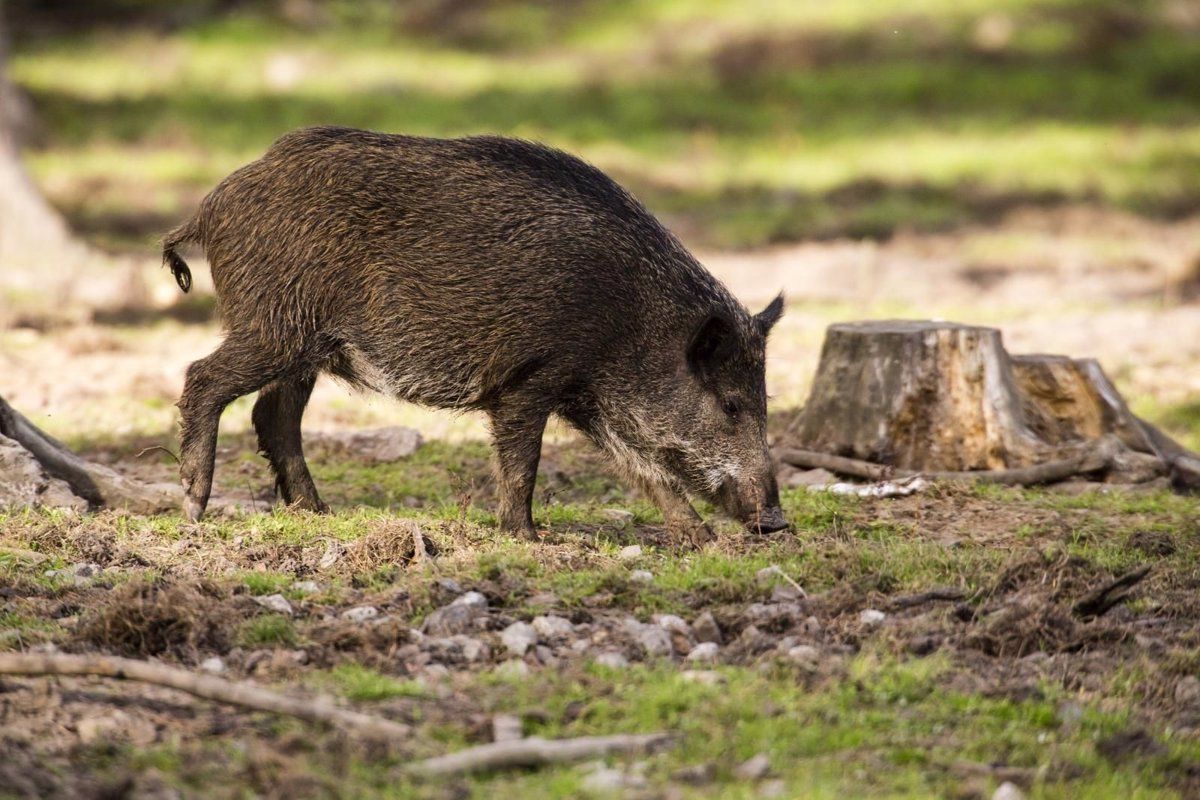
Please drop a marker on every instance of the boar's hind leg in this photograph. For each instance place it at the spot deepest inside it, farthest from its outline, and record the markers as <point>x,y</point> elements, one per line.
<point>681,519</point>
<point>277,414</point>
<point>517,435</point>
<point>236,368</point>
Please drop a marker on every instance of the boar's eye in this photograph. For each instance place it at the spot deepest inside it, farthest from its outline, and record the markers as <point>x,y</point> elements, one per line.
<point>731,406</point>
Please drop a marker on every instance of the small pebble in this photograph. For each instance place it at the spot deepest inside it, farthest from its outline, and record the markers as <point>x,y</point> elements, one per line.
<point>705,652</point>
<point>214,665</point>
<point>612,659</point>
<point>519,637</point>
<point>641,576</point>
<point>513,668</point>
<point>360,613</point>
<point>805,654</point>
<point>550,626</point>
<point>872,617</point>
<point>275,602</point>
<point>754,768</point>
<point>1008,791</point>
<point>706,629</point>
<point>630,553</point>
<point>306,587</point>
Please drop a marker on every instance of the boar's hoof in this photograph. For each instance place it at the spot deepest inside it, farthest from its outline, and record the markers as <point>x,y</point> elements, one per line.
<point>769,521</point>
<point>193,509</point>
<point>692,532</point>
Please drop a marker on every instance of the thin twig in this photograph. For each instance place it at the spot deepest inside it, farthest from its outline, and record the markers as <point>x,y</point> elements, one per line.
<point>145,450</point>
<point>942,594</point>
<point>535,751</point>
<point>1097,602</point>
<point>206,686</point>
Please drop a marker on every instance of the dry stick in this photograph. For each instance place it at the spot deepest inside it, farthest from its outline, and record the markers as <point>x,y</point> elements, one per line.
<point>535,751</point>
<point>944,594</point>
<point>1022,476</point>
<point>207,687</point>
<point>1099,601</point>
<point>96,483</point>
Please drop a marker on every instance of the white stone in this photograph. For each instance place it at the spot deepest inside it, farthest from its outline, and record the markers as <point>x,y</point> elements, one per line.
<point>754,768</point>
<point>360,613</point>
<point>306,587</point>
<point>641,576</point>
<point>804,653</point>
<point>550,626</point>
<point>704,652</point>
<point>872,617</point>
<point>214,666</point>
<point>612,659</point>
<point>275,602</point>
<point>1008,791</point>
<point>704,677</point>
<point>631,553</point>
<point>518,638</point>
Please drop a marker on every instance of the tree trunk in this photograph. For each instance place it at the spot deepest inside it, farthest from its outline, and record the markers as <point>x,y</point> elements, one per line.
<point>31,231</point>
<point>946,399</point>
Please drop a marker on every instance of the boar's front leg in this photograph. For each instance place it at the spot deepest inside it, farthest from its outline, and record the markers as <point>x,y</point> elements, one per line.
<point>517,428</point>
<point>682,521</point>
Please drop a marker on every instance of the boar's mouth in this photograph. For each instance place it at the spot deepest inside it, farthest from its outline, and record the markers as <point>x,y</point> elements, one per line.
<point>757,516</point>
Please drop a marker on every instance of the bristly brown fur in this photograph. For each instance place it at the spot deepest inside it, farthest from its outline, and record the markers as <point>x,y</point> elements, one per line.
<point>480,273</point>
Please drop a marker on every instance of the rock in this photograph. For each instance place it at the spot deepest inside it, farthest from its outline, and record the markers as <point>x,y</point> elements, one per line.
<point>653,640</point>
<point>80,574</point>
<point>606,780</point>
<point>680,632</point>
<point>506,728</point>
<point>804,654</point>
<point>518,638</point>
<point>23,482</point>
<point>612,659</point>
<point>513,668</point>
<point>771,789</point>
<point>706,629</point>
<point>334,551</point>
<point>695,775</point>
<point>811,626</point>
<point>704,677</point>
<point>360,613</point>
<point>774,616</point>
<point>552,627</point>
<point>754,768</point>
<point>641,576</point>
<point>458,648</point>
<point>306,587</point>
<point>872,617</point>
<point>631,553</point>
<point>275,602</point>
<point>464,615</point>
<point>545,656</point>
<point>373,446</point>
<point>1008,791</point>
<point>1187,690</point>
<point>705,652</point>
<point>214,666</point>
<point>620,516</point>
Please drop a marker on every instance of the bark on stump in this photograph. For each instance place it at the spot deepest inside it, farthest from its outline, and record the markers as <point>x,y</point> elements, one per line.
<point>940,397</point>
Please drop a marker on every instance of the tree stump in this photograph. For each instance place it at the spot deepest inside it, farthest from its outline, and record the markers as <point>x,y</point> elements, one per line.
<point>918,395</point>
<point>944,398</point>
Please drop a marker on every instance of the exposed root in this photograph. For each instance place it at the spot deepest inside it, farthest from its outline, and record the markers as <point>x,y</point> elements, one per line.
<point>536,751</point>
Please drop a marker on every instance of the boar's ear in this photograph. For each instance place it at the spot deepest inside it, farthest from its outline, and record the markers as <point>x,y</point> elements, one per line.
<point>711,344</point>
<point>766,319</point>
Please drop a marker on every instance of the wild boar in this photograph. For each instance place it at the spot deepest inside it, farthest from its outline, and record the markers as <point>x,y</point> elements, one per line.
<point>480,273</point>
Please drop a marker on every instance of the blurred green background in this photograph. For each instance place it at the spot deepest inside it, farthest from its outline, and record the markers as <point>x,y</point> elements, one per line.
<point>741,122</point>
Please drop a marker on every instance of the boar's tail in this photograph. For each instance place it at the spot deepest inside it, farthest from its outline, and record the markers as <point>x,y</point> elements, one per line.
<point>187,232</point>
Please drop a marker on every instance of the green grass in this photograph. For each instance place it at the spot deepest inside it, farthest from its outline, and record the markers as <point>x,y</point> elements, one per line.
<point>361,684</point>
<point>268,630</point>
<point>901,121</point>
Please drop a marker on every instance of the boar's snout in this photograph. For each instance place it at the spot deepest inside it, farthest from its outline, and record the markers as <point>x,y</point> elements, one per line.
<point>769,521</point>
<point>755,503</point>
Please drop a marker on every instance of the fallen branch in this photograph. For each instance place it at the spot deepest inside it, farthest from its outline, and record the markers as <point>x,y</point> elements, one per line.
<point>95,483</point>
<point>536,751</point>
<point>1099,601</point>
<point>933,595</point>
<point>1049,472</point>
<point>205,686</point>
